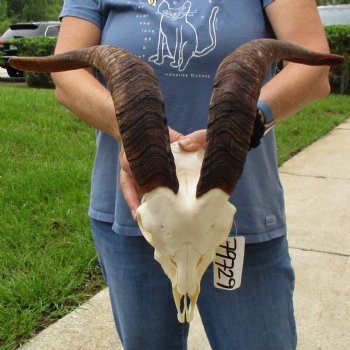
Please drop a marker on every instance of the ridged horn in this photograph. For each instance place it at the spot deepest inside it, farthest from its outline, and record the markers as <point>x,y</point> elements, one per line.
<point>233,108</point>
<point>138,104</point>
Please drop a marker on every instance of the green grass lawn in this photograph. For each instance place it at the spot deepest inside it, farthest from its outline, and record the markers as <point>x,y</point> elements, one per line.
<point>47,260</point>
<point>310,124</point>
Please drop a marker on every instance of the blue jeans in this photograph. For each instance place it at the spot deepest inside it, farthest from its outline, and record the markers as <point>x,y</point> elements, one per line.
<point>257,316</point>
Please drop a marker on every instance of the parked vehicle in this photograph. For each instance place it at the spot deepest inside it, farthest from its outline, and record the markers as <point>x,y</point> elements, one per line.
<point>21,30</point>
<point>334,14</point>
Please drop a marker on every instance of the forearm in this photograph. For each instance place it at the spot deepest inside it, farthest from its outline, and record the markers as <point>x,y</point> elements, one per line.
<point>88,99</point>
<point>78,90</point>
<point>294,87</point>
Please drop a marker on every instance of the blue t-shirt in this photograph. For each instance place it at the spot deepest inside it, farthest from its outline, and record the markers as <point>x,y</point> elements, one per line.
<point>184,41</point>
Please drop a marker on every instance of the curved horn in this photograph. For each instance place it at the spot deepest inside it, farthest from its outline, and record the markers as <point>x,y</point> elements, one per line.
<point>232,109</point>
<point>138,104</point>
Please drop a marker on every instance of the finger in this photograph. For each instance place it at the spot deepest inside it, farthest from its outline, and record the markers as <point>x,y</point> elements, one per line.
<point>174,135</point>
<point>129,190</point>
<point>194,141</point>
<point>124,162</point>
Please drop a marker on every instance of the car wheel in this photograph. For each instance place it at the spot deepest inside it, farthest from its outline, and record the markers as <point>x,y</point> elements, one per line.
<point>14,73</point>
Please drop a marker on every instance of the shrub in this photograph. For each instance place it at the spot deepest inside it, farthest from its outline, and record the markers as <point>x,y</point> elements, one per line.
<point>36,46</point>
<point>339,41</point>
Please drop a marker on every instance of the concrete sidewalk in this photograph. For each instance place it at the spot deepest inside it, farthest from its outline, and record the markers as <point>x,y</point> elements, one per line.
<point>317,191</point>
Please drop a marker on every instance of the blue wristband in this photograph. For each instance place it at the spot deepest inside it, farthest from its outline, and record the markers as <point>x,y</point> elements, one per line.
<point>266,110</point>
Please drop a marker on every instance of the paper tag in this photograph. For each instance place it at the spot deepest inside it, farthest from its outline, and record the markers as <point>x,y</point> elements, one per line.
<point>228,263</point>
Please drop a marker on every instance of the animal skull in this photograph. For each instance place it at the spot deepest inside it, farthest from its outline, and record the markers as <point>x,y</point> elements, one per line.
<point>185,213</point>
<point>184,230</point>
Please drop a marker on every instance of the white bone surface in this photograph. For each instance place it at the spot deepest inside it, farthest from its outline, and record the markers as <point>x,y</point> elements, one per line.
<point>185,231</point>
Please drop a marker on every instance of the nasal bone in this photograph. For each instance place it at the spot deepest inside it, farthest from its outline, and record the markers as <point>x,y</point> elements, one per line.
<point>187,258</point>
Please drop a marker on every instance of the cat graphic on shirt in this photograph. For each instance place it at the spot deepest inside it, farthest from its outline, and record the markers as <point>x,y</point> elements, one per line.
<point>172,42</point>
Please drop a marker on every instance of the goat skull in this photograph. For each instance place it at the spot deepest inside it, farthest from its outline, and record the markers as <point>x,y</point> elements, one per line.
<point>185,213</point>
<point>184,230</point>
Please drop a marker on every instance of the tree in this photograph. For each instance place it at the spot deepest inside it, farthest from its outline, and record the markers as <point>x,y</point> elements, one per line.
<point>12,11</point>
<point>15,7</point>
<point>33,10</point>
<point>3,9</point>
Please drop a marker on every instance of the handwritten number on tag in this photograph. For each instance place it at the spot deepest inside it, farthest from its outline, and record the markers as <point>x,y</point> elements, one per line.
<point>228,264</point>
<point>230,285</point>
<point>225,265</point>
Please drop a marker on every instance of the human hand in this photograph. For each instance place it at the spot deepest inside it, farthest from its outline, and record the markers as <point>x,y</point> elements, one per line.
<point>194,141</point>
<point>127,183</point>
